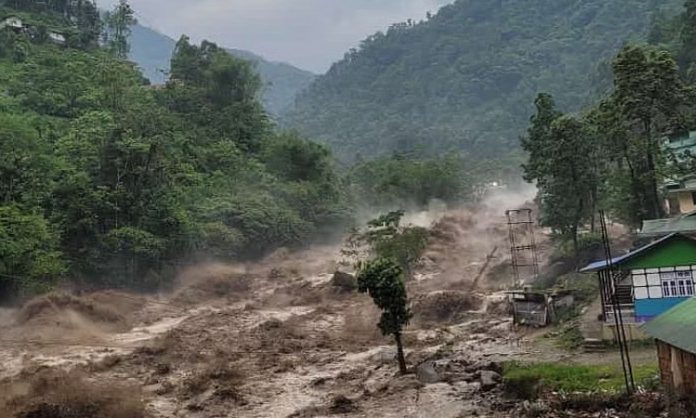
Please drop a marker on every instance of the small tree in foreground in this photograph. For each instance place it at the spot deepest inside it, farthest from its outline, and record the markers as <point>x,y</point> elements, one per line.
<point>383,280</point>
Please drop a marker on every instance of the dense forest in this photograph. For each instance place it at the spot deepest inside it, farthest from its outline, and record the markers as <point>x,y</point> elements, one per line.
<point>110,181</point>
<point>464,79</point>
<point>152,50</point>
<point>611,156</point>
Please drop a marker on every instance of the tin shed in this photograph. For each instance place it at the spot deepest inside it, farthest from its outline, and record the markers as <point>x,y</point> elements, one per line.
<point>675,336</point>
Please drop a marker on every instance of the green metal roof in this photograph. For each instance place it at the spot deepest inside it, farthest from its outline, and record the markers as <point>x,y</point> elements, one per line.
<point>676,326</point>
<point>668,251</point>
<point>656,227</point>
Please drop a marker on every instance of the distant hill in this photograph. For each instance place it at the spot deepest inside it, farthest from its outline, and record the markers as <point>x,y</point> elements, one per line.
<point>466,78</point>
<point>152,51</point>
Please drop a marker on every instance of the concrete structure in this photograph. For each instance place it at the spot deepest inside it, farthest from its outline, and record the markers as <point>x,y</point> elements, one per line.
<point>681,195</point>
<point>681,192</point>
<point>675,338</point>
<point>680,144</point>
<point>538,309</point>
<point>56,37</point>
<point>12,22</point>
<point>647,282</point>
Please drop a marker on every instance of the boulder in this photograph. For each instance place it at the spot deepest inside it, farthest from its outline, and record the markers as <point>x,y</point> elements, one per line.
<point>489,380</point>
<point>385,355</point>
<point>427,374</point>
<point>344,282</point>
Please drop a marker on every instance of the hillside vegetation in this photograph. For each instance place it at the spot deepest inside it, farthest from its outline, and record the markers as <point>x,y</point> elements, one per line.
<point>465,79</point>
<point>611,156</point>
<point>152,50</point>
<point>110,181</point>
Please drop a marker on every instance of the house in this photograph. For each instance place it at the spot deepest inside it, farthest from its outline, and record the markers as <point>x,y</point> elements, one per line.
<point>56,37</point>
<point>681,195</point>
<point>680,144</point>
<point>647,282</point>
<point>12,22</point>
<point>681,192</point>
<point>684,224</point>
<point>675,338</point>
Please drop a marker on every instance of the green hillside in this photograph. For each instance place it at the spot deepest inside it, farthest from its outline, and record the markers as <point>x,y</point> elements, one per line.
<point>111,182</point>
<point>466,78</point>
<point>152,51</point>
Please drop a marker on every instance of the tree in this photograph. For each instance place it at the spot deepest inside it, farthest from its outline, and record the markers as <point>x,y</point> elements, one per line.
<point>687,53</point>
<point>383,280</point>
<point>567,188</point>
<point>385,237</point>
<point>217,92</point>
<point>29,257</point>
<point>118,28</point>
<point>538,141</point>
<point>562,162</point>
<point>26,164</point>
<point>650,100</point>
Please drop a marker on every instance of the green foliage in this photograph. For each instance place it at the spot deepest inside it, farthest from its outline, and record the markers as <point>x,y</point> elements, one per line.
<point>114,182</point>
<point>118,24</point>
<point>389,239</point>
<point>77,20</point>
<point>295,159</point>
<point>399,181</point>
<point>572,378</point>
<point>383,280</point>
<point>687,37</point>
<point>386,238</point>
<point>463,79</point>
<point>562,162</point>
<point>152,51</point>
<point>568,336</point>
<point>612,158</point>
<point>29,254</point>
<point>26,167</point>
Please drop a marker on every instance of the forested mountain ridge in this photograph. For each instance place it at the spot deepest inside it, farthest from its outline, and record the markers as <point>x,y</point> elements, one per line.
<point>465,78</point>
<point>113,182</point>
<point>152,50</point>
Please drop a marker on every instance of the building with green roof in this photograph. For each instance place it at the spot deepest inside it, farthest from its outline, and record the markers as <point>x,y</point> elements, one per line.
<point>648,281</point>
<point>685,224</point>
<point>674,333</point>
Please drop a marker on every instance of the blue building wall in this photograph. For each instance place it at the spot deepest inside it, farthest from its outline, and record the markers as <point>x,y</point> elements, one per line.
<point>647,309</point>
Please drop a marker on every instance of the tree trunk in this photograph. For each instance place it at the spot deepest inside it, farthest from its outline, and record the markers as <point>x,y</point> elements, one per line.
<point>576,249</point>
<point>654,205</point>
<point>635,188</point>
<point>400,353</point>
<point>654,193</point>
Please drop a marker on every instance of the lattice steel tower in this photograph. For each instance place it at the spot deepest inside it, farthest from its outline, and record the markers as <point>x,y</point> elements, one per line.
<point>523,248</point>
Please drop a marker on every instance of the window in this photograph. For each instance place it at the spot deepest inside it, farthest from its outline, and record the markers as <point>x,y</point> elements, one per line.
<point>693,197</point>
<point>677,284</point>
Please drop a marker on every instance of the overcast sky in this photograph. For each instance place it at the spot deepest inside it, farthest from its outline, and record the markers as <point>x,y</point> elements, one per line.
<point>310,34</point>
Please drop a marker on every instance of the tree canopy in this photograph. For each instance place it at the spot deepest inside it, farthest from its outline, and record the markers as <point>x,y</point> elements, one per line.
<point>113,182</point>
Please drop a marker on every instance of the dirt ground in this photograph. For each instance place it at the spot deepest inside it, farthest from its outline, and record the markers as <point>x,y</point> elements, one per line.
<point>275,339</point>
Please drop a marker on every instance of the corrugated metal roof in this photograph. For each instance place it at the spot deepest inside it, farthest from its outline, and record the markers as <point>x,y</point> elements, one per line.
<point>676,326</point>
<point>601,265</point>
<point>684,223</point>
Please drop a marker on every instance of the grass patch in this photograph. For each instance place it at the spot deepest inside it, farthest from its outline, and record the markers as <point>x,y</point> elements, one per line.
<point>527,380</point>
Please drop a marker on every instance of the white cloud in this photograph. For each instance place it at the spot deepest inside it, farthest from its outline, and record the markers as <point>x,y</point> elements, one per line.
<point>308,33</point>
